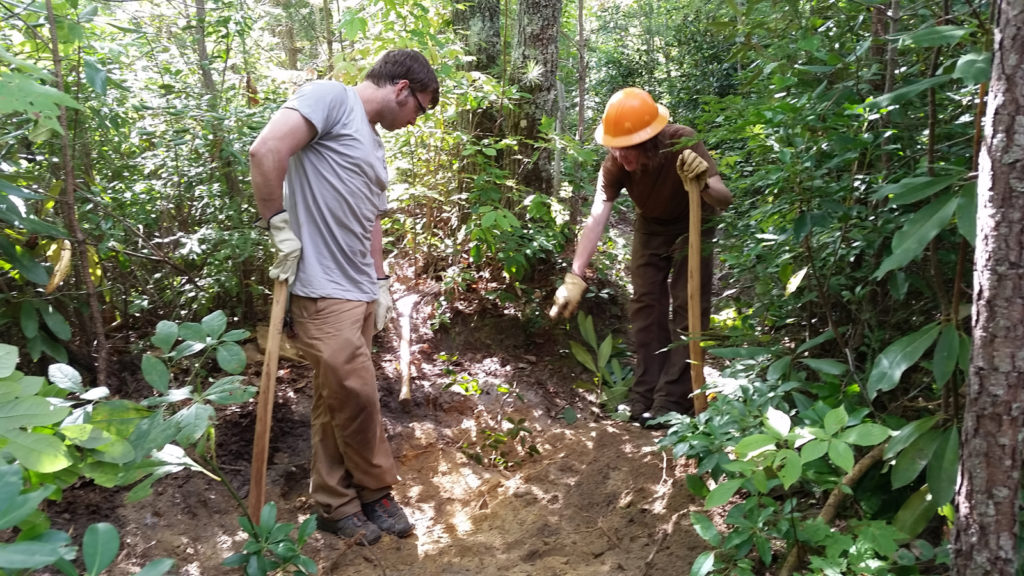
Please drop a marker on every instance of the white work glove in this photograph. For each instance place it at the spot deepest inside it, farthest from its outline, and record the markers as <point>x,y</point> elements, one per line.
<point>568,296</point>
<point>693,171</point>
<point>288,248</point>
<point>384,306</point>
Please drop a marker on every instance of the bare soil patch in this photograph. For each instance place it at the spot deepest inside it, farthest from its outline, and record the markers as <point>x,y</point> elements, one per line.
<point>598,499</point>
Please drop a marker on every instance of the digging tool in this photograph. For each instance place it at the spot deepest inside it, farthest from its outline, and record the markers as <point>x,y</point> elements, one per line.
<point>700,402</point>
<point>265,404</point>
<point>693,188</point>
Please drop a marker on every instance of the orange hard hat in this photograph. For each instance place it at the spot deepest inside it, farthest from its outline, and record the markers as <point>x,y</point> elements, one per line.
<point>630,117</point>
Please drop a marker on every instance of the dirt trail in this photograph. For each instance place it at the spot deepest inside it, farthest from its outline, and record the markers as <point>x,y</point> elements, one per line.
<point>598,499</point>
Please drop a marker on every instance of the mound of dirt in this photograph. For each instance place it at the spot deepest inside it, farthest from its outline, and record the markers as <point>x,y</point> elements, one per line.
<point>598,498</point>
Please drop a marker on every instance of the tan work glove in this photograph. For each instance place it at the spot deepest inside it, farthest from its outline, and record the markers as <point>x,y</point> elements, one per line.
<point>384,306</point>
<point>288,248</point>
<point>693,171</point>
<point>568,296</point>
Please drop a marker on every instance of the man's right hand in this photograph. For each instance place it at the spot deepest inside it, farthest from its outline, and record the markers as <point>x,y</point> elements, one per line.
<point>288,248</point>
<point>568,296</point>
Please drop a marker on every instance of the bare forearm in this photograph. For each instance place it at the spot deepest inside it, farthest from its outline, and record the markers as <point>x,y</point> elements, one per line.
<point>717,194</point>
<point>377,249</point>
<point>593,229</point>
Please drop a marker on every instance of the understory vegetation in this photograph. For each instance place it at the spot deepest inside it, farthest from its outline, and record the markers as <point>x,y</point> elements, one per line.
<point>847,132</point>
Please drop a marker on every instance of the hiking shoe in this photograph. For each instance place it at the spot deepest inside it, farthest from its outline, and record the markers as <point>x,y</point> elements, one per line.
<point>647,419</point>
<point>635,410</point>
<point>388,516</point>
<point>354,526</point>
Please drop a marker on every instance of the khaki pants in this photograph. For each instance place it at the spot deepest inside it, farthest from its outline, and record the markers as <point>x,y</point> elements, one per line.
<point>658,312</point>
<point>352,461</point>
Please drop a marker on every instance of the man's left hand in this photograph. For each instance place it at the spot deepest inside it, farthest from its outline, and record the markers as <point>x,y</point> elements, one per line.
<point>384,306</point>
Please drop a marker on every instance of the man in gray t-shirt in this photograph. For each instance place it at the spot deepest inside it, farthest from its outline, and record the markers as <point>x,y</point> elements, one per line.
<point>319,177</point>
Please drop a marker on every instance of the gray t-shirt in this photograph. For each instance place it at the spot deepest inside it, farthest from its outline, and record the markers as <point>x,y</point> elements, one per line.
<point>334,191</point>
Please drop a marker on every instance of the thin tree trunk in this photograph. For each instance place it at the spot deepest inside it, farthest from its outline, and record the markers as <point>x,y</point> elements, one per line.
<point>68,212</point>
<point>985,533</point>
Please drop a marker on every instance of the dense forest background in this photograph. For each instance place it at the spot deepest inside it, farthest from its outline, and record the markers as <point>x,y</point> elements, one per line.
<point>850,133</point>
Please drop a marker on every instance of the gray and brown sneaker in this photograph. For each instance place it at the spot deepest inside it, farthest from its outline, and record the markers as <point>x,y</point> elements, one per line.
<point>388,516</point>
<point>354,526</point>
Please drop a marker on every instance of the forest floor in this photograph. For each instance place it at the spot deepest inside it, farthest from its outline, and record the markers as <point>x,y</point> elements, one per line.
<point>599,498</point>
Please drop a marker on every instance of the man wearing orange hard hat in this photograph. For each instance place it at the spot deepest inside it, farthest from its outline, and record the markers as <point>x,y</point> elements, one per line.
<point>655,162</point>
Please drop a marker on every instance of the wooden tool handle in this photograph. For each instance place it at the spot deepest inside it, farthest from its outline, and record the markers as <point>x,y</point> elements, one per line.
<point>265,403</point>
<point>693,307</point>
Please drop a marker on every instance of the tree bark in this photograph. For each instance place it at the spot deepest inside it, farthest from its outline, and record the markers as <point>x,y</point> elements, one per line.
<point>985,534</point>
<point>70,216</point>
<point>536,48</point>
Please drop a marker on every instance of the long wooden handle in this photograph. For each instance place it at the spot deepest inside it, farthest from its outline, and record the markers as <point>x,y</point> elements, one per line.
<point>693,308</point>
<point>265,403</point>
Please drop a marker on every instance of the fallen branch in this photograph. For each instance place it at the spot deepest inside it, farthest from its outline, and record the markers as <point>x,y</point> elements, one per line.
<point>831,508</point>
<point>661,539</point>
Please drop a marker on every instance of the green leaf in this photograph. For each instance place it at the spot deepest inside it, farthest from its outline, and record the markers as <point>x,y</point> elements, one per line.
<point>8,360</point>
<point>38,452</point>
<point>229,390</point>
<point>99,547</point>
<point>16,507</point>
<point>915,188</point>
<point>914,458</point>
<point>705,528</point>
<point>604,352</point>
<point>974,68</point>
<point>192,332</point>
<point>165,336</point>
<point>56,322</point>
<point>813,450</point>
<point>695,484</point>
<point>215,324</point>
<point>28,555</point>
<point>24,95</point>
<point>569,415</point>
<point>583,356</point>
<point>723,492</point>
<point>157,567</point>
<point>231,357</point>
<point>867,434</point>
<point>914,515</point>
<point>748,352</point>
<point>825,366</point>
<point>935,36</point>
<point>65,377</point>
<point>907,92</point>
<point>778,421</point>
<point>23,261</point>
<point>96,76</point>
<point>155,372</point>
<point>30,411</point>
<point>586,324</point>
<point>897,357</point>
<point>193,422</point>
<point>967,212</point>
<point>235,335</point>
<point>908,434</point>
<point>29,319</point>
<point>841,454</point>
<point>753,445</point>
<point>779,368</point>
<point>910,241</point>
<point>789,466</point>
<point>943,466</point>
<point>947,350</point>
<point>835,420</point>
<point>704,564</point>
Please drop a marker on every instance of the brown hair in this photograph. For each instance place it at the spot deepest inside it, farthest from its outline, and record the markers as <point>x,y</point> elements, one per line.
<point>409,65</point>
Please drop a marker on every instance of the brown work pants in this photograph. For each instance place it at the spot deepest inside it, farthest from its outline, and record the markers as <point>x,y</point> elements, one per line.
<point>352,461</point>
<point>658,312</point>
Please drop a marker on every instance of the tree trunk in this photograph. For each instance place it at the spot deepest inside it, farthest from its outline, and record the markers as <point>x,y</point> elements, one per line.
<point>536,51</point>
<point>70,216</point>
<point>985,535</point>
